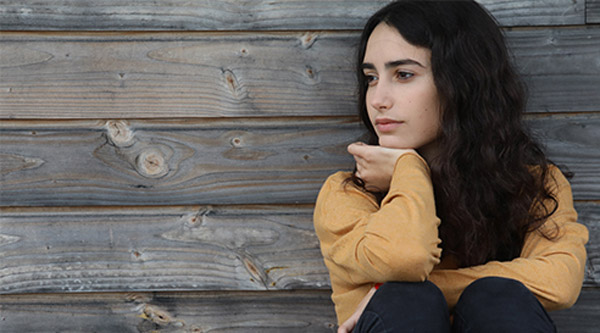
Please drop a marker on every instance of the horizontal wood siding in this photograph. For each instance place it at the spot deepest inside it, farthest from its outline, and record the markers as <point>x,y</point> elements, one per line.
<point>136,249</point>
<point>158,75</point>
<point>185,162</point>
<point>310,311</point>
<point>177,15</point>
<point>593,11</point>
<point>178,248</point>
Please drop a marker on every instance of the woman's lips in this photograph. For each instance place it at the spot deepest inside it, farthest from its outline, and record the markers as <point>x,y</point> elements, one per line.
<point>386,125</point>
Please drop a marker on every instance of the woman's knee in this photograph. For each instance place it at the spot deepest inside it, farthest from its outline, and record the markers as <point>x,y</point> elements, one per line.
<point>495,290</point>
<point>412,289</point>
<point>411,296</point>
<point>408,306</point>
<point>497,304</point>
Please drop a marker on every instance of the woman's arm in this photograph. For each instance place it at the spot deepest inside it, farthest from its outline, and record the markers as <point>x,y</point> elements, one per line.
<point>395,242</point>
<point>552,269</point>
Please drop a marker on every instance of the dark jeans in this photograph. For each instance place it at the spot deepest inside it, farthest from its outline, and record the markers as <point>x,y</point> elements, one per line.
<point>490,304</point>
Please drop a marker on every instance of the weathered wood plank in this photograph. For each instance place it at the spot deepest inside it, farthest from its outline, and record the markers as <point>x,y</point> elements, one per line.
<point>234,161</point>
<point>156,75</point>
<point>215,75</point>
<point>249,161</point>
<point>558,64</point>
<point>178,248</point>
<point>176,15</point>
<point>592,11</point>
<point>572,142</point>
<point>297,311</point>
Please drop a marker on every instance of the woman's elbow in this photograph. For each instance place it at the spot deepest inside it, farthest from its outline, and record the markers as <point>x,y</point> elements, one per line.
<point>411,265</point>
<point>563,298</point>
<point>417,266</point>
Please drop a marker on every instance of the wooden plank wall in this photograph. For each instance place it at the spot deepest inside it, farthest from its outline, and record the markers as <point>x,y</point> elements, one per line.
<point>159,161</point>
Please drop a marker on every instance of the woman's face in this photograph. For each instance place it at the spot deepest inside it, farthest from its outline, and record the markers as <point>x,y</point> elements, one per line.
<point>401,97</point>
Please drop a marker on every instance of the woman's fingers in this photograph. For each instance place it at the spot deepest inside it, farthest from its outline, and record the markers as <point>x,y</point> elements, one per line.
<point>357,148</point>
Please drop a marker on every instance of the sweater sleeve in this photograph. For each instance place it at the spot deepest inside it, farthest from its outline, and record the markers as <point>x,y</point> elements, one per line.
<point>397,241</point>
<point>553,269</point>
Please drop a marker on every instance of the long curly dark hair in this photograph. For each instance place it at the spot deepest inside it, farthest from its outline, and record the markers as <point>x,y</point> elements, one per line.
<point>490,177</point>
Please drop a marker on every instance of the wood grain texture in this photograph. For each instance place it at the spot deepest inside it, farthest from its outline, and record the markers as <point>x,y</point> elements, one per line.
<point>297,311</point>
<point>176,15</point>
<point>158,75</point>
<point>235,161</point>
<point>572,142</point>
<point>177,248</point>
<point>48,250</point>
<point>218,161</point>
<point>558,64</point>
<point>592,11</point>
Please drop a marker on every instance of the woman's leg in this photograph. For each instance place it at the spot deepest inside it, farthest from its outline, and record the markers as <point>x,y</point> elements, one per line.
<point>405,307</point>
<point>495,304</point>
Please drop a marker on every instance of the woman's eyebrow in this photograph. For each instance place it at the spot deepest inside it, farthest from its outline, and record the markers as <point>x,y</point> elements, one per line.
<point>392,64</point>
<point>401,62</point>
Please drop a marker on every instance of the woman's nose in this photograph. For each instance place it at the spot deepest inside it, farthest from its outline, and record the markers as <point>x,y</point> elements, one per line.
<point>381,98</point>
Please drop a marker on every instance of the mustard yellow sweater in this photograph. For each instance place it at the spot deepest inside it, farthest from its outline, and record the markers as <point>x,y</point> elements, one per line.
<point>364,243</point>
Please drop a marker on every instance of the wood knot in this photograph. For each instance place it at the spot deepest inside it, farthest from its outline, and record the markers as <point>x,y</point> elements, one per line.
<point>236,142</point>
<point>256,274</point>
<point>151,163</point>
<point>308,39</point>
<point>119,133</point>
<point>158,316</point>
<point>231,81</point>
<point>310,72</point>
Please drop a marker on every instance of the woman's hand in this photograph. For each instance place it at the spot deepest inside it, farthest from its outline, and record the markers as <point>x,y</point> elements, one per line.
<point>375,164</point>
<point>350,323</point>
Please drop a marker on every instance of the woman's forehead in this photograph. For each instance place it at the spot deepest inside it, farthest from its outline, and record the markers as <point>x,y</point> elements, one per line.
<point>386,44</point>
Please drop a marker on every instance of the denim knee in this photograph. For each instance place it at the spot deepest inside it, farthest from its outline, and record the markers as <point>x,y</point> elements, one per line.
<point>406,307</point>
<point>496,304</point>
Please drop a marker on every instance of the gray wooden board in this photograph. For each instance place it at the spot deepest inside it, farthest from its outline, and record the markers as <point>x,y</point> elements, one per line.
<point>166,75</point>
<point>573,143</point>
<point>592,11</point>
<point>289,311</point>
<point>217,161</point>
<point>558,64</point>
<point>114,15</point>
<point>178,248</point>
<point>293,311</point>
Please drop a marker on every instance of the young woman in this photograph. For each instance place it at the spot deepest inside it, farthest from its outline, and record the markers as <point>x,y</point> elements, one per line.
<point>452,211</point>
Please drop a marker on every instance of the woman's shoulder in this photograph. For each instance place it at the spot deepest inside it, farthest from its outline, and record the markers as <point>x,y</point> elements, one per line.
<point>557,181</point>
<point>339,186</point>
<point>338,178</point>
<point>336,182</point>
<point>555,178</point>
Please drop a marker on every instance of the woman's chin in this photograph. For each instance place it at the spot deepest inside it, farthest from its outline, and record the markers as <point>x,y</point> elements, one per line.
<point>393,144</point>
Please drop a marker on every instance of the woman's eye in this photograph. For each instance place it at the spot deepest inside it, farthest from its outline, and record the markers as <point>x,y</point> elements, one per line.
<point>370,78</point>
<point>404,75</point>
